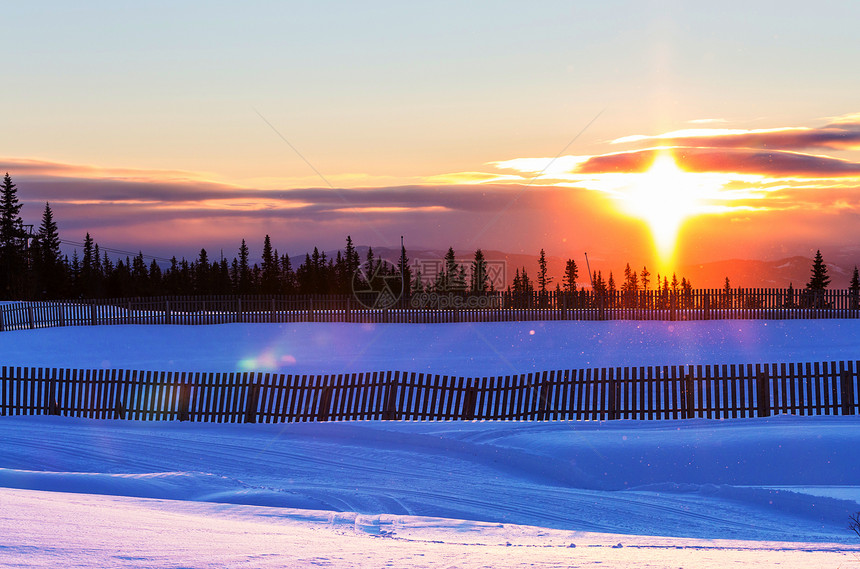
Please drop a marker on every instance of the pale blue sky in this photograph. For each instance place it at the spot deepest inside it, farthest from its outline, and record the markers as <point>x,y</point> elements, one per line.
<point>393,88</point>
<point>379,94</point>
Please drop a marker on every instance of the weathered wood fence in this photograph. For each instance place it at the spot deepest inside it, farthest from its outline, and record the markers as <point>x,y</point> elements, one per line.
<point>663,392</point>
<point>439,307</point>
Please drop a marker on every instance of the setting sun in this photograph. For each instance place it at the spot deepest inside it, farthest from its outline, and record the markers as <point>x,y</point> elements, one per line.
<point>665,196</point>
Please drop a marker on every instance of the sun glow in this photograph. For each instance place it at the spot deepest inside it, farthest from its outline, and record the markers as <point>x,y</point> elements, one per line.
<point>665,196</point>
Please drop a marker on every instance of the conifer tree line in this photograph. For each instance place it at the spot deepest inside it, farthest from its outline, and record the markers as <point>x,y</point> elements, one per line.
<point>33,267</point>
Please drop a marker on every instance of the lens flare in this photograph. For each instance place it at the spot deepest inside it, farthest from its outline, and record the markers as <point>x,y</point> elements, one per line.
<point>270,359</point>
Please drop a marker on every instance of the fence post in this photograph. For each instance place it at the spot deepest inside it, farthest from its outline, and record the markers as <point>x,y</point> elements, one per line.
<point>118,405</point>
<point>310,310</point>
<point>762,384</point>
<point>184,402</point>
<point>707,305</point>
<point>470,403</point>
<point>251,406</point>
<point>614,389</point>
<point>167,317</point>
<point>390,413</point>
<point>348,310</point>
<point>544,387</point>
<point>673,305</point>
<point>31,317</point>
<point>601,305</point>
<point>846,385</point>
<point>2,320</point>
<point>53,406</point>
<point>92,314</point>
<point>239,309</point>
<point>689,397</point>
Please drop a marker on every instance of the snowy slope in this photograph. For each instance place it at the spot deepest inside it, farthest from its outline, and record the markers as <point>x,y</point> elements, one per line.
<point>704,479</point>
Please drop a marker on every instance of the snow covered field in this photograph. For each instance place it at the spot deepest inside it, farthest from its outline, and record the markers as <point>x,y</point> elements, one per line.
<point>476,350</point>
<point>770,492</point>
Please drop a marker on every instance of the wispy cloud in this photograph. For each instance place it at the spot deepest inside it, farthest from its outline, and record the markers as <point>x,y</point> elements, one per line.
<point>707,121</point>
<point>842,135</point>
<point>36,167</point>
<point>130,209</point>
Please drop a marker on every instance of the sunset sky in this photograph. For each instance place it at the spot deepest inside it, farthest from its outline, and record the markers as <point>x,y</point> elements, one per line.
<point>170,126</point>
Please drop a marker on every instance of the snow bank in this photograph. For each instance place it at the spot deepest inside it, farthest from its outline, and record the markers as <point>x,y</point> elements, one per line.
<point>48,530</point>
<point>698,479</point>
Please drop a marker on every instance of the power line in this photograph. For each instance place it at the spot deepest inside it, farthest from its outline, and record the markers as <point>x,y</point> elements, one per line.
<point>118,251</point>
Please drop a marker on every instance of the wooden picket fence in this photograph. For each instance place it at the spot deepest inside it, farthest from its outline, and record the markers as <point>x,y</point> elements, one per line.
<point>425,308</point>
<point>645,393</point>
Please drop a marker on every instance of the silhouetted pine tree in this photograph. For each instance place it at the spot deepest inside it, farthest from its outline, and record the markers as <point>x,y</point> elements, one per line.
<point>270,269</point>
<point>171,277</point>
<point>854,288</point>
<point>201,270</point>
<point>686,293</point>
<point>351,258</point>
<point>597,283</point>
<point>405,271</point>
<point>221,276</point>
<point>288,277</point>
<point>448,278</point>
<point>75,275</point>
<point>819,279</point>
<point>543,279</point>
<point>526,283</point>
<point>48,267</point>
<point>118,283</point>
<point>417,283</point>
<point>478,279</point>
<point>455,273</point>
<point>90,285</point>
<point>139,285</point>
<point>571,272</point>
<point>156,286</point>
<point>13,261</point>
<point>242,277</point>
